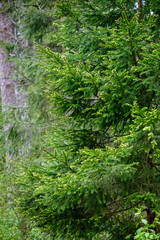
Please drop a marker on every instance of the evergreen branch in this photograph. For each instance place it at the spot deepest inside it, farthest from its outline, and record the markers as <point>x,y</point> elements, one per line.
<point>119,200</point>
<point>73,15</point>
<point>132,49</point>
<point>95,86</point>
<point>154,165</point>
<point>54,157</point>
<point>119,80</point>
<point>128,208</point>
<point>130,37</point>
<point>73,75</point>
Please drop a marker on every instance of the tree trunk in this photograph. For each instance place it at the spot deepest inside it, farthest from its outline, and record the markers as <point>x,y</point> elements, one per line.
<point>8,95</point>
<point>7,84</point>
<point>12,98</point>
<point>140,5</point>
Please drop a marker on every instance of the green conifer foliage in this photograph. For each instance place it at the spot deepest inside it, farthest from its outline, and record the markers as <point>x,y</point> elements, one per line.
<point>101,156</point>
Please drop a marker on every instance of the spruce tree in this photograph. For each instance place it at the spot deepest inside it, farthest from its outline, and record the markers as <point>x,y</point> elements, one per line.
<point>93,86</point>
<point>99,175</point>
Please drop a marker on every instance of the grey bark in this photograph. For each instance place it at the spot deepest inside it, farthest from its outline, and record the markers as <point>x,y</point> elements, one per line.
<point>13,96</point>
<point>8,95</point>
